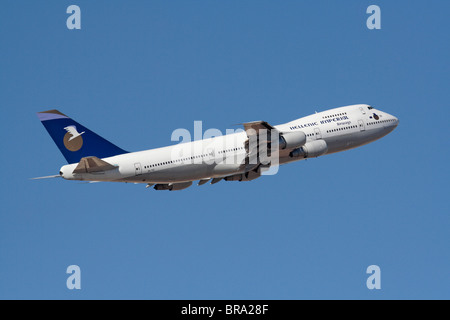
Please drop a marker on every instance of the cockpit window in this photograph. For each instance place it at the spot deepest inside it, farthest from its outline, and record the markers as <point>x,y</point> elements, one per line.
<point>369,107</point>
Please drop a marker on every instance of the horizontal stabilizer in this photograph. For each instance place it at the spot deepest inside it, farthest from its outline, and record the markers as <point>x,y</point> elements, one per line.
<point>92,164</point>
<point>46,177</point>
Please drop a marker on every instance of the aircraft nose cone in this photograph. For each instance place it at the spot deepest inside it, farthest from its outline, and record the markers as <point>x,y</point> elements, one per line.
<point>392,120</point>
<point>396,121</point>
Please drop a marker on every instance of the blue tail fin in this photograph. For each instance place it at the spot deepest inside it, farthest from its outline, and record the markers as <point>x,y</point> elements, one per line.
<point>74,140</point>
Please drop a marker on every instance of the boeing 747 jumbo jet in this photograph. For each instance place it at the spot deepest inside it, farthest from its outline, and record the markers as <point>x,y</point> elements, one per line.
<point>239,156</point>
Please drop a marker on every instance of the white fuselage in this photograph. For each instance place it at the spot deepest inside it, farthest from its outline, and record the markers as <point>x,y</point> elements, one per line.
<point>341,128</point>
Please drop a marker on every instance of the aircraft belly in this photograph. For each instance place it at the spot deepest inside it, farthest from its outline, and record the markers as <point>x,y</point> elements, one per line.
<point>353,140</point>
<point>223,169</point>
<point>187,172</point>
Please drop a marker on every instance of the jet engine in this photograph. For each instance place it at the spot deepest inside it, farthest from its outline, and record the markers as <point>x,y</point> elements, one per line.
<point>294,139</point>
<point>311,149</point>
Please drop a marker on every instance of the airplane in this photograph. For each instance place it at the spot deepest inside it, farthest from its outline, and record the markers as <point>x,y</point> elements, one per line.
<point>240,156</point>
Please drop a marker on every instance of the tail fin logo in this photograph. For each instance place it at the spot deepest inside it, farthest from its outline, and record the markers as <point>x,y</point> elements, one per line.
<point>72,139</point>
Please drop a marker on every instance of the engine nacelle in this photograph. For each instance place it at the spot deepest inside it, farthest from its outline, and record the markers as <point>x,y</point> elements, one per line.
<point>173,186</point>
<point>311,149</point>
<point>294,139</point>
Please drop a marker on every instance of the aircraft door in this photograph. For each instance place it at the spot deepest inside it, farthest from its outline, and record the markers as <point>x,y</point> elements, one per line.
<point>317,133</point>
<point>137,169</point>
<point>361,125</point>
<point>211,153</point>
<point>362,110</point>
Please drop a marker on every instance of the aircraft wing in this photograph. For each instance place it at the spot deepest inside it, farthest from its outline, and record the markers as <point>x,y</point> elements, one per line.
<point>258,143</point>
<point>255,126</point>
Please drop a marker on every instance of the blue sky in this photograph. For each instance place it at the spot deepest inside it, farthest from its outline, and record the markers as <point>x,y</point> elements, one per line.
<point>137,70</point>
